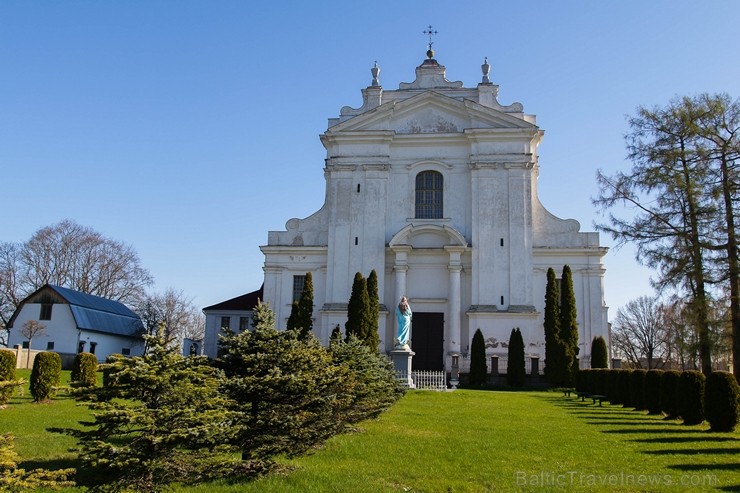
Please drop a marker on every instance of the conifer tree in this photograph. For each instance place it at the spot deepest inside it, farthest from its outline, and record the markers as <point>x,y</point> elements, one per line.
<point>293,318</point>
<point>371,381</point>
<point>357,309</point>
<point>305,308</point>
<point>371,337</point>
<point>568,324</point>
<point>478,367</point>
<point>14,479</point>
<point>554,357</point>
<point>599,353</point>
<point>285,391</point>
<point>515,364</point>
<point>168,426</point>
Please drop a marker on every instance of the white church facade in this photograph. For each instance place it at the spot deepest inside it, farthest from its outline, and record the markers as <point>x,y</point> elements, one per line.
<point>434,185</point>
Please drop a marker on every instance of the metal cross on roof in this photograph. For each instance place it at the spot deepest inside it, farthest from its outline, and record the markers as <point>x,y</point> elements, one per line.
<point>431,32</point>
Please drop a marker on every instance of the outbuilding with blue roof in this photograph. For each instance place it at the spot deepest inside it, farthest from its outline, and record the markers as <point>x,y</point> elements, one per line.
<point>75,322</point>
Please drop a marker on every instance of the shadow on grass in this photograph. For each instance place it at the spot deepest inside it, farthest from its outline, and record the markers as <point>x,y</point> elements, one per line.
<point>82,476</point>
<point>695,451</point>
<point>628,431</point>
<point>734,487</point>
<point>624,421</point>
<point>731,466</point>
<point>685,439</point>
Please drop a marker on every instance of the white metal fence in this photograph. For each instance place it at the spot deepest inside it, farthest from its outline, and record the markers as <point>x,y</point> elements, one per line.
<point>427,380</point>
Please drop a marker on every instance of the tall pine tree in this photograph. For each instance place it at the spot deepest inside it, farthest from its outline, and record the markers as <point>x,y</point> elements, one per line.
<point>599,354</point>
<point>555,369</point>
<point>357,309</point>
<point>568,324</point>
<point>305,308</point>
<point>371,337</point>
<point>478,367</point>
<point>515,367</point>
<point>293,318</point>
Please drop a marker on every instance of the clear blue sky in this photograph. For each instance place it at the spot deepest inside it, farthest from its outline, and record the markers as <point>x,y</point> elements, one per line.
<point>188,129</point>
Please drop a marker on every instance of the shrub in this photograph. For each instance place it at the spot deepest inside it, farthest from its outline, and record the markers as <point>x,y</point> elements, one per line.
<point>637,389</point>
<point>690,394</point>
<point>7,375</point>
<point>602,384</point>
<point>579,381</point>
<point>371,385</point>
<point>615,396</point>
<point>515,368</point>
<point>651,391</point>
<point>669,393</point>
<point>45,375</point>
<point>599,353</point>
<point>721,401</point>
<point>478,367</point>
<point>624,379</point>
<point>84,370</point>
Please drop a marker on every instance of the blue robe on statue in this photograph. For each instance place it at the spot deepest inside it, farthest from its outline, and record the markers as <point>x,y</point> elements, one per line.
<point>404,327</point>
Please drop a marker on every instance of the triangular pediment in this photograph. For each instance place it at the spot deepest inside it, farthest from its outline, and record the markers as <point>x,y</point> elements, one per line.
<point>431,112</point>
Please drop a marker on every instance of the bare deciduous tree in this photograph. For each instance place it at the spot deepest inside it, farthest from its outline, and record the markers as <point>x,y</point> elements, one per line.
<point>177,314</point>
<point>29,330</point>
<point>73,256</point>
<point>639,334</point>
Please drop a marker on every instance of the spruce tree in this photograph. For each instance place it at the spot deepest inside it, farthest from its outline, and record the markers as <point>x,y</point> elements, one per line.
<point>305,308</point>
<point>515,365</point>
<point>371,337</point>
<point>13,478</point>
<point>285,392</point>
<point>599,354</point>
<point>357,309</point>
<point>568,323</point>
<point>371,381</point>
<point>555,368</point>
<point>168,425</point>
<point>478,367</point>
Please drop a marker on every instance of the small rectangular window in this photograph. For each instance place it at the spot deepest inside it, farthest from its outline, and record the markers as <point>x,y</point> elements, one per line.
<point>502,242</point>
<point>25,345</point>
<point>50,346</point>
<point>243,324</point>
<point>93,345</point>
<point>45,311</point>
<point>502,300</point>
<point>81,347</point>
<point>225,323</point>
<point>126,351</point>
<point>298,283</point>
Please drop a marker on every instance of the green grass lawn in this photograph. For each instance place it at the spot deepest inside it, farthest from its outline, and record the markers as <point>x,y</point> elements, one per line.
<point>465,441</point>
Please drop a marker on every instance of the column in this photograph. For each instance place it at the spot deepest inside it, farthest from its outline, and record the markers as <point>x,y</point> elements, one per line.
<point>454,268</point>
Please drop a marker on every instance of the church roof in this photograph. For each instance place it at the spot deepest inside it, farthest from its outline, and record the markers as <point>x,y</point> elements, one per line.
<point>90,312</point>
<point>245,302</point>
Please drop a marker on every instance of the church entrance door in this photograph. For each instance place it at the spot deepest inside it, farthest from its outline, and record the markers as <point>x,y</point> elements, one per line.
<point>427,341</point>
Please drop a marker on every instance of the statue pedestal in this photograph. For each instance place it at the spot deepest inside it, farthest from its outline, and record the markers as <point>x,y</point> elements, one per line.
<point>402,364</point>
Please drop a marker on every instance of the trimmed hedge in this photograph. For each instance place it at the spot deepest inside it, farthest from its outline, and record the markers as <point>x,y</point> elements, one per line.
<point>84,370</point>
<point>624,387</point>
<point>690,393</point>
<point>721,396</point>
<point>45,375</point>
<point>637,389</point>
<point>651,391</point>
<point>669,393</point>
<point>615,396</point>
<point>7,374</point>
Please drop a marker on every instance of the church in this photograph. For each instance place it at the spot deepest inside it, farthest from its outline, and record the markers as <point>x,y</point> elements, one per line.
<point>434,186</point>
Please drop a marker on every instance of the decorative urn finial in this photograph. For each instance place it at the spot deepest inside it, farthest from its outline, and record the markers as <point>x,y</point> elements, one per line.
<point>375,71</point>
<point>486,69</point>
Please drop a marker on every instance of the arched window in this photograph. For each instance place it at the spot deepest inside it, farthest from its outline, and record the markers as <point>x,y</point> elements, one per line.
<point>429,195</point>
